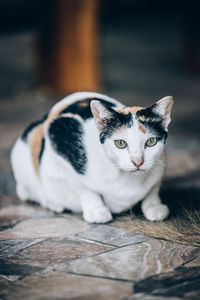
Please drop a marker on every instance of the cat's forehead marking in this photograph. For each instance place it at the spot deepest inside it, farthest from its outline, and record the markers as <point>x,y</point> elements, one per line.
<point>133,110</point>
<point>142,129</point>
<point>123,111</point>
<point>141,118</point>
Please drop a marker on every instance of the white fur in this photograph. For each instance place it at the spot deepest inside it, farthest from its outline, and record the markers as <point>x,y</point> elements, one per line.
<point>111,183</point>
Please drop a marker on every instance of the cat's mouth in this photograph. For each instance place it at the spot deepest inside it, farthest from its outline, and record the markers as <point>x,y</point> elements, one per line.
<point>137,170</point>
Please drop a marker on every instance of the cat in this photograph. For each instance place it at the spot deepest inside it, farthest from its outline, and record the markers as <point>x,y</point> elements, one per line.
<point>91,154</point>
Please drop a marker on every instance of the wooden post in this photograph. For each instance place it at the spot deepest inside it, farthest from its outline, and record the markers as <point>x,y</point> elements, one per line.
<point>68,46</point>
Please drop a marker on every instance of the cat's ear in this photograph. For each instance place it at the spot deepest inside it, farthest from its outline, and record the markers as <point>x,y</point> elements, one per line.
<point>101,113</point>
<point>163,108</point>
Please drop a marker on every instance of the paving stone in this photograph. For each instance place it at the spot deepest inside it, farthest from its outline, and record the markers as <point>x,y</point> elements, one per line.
<point>12,210</point>
<point>6,223</point>
<point>44,227</point>
<point>59,285</point>
<point>24,210</point>
<point>57,251</point>
<point>9,248</point>
<point>142,296</point>
<point>136,261</point>
<point>112,235</point>
<point>182,282</point>
<point>194,263</point>
<point>7,200</point>
<point>13,271</point>
<point>11,206</point>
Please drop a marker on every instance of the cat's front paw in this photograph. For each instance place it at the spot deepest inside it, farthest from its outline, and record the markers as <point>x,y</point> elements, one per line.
<point>157,212</point>
<point>98,215</point>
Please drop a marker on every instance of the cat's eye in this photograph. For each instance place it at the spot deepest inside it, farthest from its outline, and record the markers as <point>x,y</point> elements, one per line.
<point>121,144</point>
<point>151,142</point>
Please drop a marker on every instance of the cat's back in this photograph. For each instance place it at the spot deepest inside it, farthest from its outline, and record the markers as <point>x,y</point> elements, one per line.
<point>79,103</point>
<point>76,104</point>
<point>63,126</point>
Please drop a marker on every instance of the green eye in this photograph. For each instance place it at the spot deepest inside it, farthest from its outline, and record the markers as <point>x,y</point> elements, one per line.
<point>120,144</point>
<point>151,142</point>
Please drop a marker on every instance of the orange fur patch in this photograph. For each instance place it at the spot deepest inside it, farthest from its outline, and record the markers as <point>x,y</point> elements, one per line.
<point>35,141</point>
<point>142,118</point>
<point>133,110</point>
<point>35,145</point>
<point>142,129</point>
<point>83,103</point>
<point>54,114</point>
<point>122,111</point>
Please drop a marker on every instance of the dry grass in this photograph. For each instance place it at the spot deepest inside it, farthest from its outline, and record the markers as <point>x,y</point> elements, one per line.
<point>184,230</point>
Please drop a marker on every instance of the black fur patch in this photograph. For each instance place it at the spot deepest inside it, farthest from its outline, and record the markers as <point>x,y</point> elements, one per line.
<point>117,121</point>
<point>31,127</point>
<point>42,149</point>
<point>148,112</point>
<point>156,128</point>
<point>82,108</point>
<point>125,119</point>
<point>66,135</point>
<point>154,122</point>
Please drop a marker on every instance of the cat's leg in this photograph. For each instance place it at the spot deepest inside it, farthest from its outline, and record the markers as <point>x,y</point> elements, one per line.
<point>53,198</point>
<point>22,192</point>
<point>49,201</point>
<point>94,210</point>
<point>27,183</point>
<point>152,206</point>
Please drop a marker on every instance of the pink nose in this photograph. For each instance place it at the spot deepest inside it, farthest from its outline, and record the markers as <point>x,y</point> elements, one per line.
<point>138,162</point>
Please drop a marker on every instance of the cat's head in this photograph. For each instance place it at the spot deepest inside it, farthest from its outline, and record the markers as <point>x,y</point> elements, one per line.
<point>133,137</point>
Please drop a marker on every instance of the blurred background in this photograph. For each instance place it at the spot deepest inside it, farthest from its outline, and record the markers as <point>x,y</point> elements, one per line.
<point>137,51</point>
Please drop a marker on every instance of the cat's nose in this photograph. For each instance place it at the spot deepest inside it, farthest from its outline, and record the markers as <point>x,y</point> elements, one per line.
<point>138,162</point>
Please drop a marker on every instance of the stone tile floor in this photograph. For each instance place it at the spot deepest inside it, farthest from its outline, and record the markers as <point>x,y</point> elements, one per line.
<point>59,256</point>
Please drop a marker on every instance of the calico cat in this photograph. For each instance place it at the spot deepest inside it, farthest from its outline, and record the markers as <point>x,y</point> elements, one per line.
<point>92,154</point>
